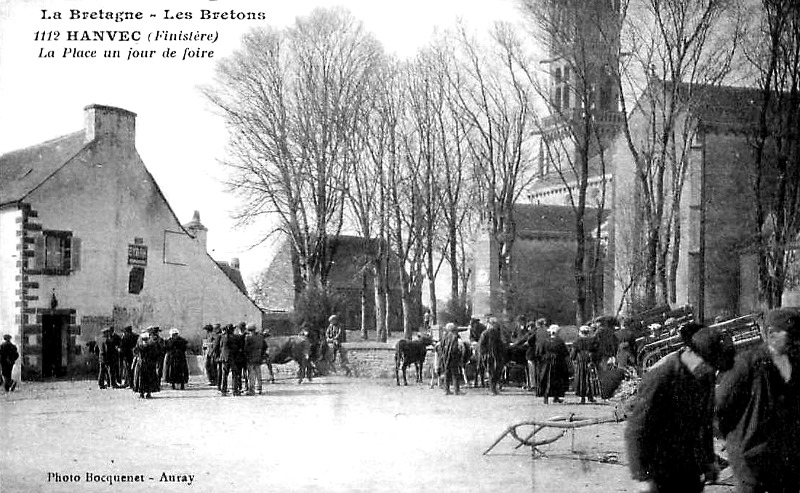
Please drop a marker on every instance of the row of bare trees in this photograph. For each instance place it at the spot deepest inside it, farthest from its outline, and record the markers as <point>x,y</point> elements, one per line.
<point>331,135</point>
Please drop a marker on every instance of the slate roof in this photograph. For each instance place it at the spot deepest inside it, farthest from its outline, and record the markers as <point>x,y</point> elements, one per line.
<point>234,275</point>
<point>24,170</point>
<point>530,218</point>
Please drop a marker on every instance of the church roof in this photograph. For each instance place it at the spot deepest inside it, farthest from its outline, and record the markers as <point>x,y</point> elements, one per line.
<point>560,219</point>
<point>726,105</point>
<point>24,170</point>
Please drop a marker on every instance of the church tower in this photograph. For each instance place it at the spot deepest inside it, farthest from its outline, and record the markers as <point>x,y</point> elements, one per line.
<point>582,38</point>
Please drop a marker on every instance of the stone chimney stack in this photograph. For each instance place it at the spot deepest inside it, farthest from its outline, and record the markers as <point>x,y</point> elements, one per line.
<point>235,263</point>
<point>196,229</point>
<point>109,122</point>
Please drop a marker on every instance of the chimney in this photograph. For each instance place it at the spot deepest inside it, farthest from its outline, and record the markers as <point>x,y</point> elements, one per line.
<point>196,229</point>
<point>235,263</point>
<point>108,121</point>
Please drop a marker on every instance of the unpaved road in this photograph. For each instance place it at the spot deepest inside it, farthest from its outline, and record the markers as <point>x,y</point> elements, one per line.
<point>335,434</point>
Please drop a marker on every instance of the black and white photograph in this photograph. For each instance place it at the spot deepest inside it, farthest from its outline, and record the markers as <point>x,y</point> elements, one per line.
<point>346,246</point>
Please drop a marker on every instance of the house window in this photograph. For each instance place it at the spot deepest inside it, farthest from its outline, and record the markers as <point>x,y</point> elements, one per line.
<point>56,253</point>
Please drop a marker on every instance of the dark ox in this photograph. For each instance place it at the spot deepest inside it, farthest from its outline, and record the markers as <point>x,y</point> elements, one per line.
<point>411,352</point>
<point>513,368</point>
<point>294,348</point>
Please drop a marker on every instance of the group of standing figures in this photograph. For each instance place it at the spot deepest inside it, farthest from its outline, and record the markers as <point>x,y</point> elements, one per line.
<point>236,352</point>
<point>140,361</point>
<point>549,363</point>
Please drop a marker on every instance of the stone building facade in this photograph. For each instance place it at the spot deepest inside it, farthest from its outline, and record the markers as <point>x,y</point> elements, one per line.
<point>88,240</point>
<point>542,268</point>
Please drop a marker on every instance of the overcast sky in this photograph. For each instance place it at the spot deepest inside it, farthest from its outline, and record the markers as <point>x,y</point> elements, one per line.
<point>178,136</point>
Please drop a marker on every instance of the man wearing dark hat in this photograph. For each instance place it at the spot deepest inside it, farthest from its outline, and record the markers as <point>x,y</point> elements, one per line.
<point>108,359</point>
<point>451,358</point>
<point>8,356</point>
<point>218,331</point>
<point>335,336</point>
<point>230,347</point>
<point>758,409</point>
<point>126,345</point>
<point>670,431</point>
<point>255,349</point>
<point>160,348</point>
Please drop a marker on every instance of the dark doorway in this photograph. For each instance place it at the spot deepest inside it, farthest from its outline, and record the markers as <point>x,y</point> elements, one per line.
<point>54,342</point>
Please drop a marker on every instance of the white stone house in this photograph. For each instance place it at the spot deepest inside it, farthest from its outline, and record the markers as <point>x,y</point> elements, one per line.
<point>87,240</point>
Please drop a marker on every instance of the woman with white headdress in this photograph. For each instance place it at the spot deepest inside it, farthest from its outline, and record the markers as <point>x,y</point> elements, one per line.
<point>145,370</point>
<point>554,367</point>
<point>176,370</point>
<point>584,353</point>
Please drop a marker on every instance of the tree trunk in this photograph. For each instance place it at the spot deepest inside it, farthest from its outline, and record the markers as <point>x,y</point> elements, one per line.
<point>364,300</point>
<point>380,299</point>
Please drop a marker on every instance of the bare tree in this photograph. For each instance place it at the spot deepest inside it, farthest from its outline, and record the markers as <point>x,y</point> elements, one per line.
<point>676,49</point>
<point>291,100</point>
<point>496,103</point>
<point>775,54</point>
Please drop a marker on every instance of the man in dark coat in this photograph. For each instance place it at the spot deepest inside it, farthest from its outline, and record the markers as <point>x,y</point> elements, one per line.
<point>255,350</point>
<point>108,359</point>
<point>8,356</point>
<point>492,351</point>
<point>159,348</point>
<point>451,358</point>
<point>230,351</point>
<point>536,335</point>
<point>607,342</point>
<point>669,435</point>
<point>758,409</point>
<point>126,345</point>
<point>218,331</point>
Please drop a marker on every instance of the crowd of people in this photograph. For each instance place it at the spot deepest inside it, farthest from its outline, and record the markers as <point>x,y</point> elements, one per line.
<point>235,353</point>
<point>550,364</point>
<point>141,361</point>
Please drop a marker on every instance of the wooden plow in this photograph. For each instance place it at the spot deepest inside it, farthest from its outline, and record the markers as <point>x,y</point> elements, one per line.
<point>561,424</point>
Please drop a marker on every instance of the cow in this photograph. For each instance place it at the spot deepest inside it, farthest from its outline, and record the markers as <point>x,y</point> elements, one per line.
<point>411,352</point>
<point>294,348</point>
<point>437,371</point>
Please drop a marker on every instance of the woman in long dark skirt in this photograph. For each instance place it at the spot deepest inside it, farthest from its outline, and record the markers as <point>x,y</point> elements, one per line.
<point>176,370</point>
<point>584,354</point>
<point>554,367</point>
<point>145,370</point>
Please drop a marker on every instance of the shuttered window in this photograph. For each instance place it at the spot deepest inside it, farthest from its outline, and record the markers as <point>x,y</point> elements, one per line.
<point>56,253</point>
